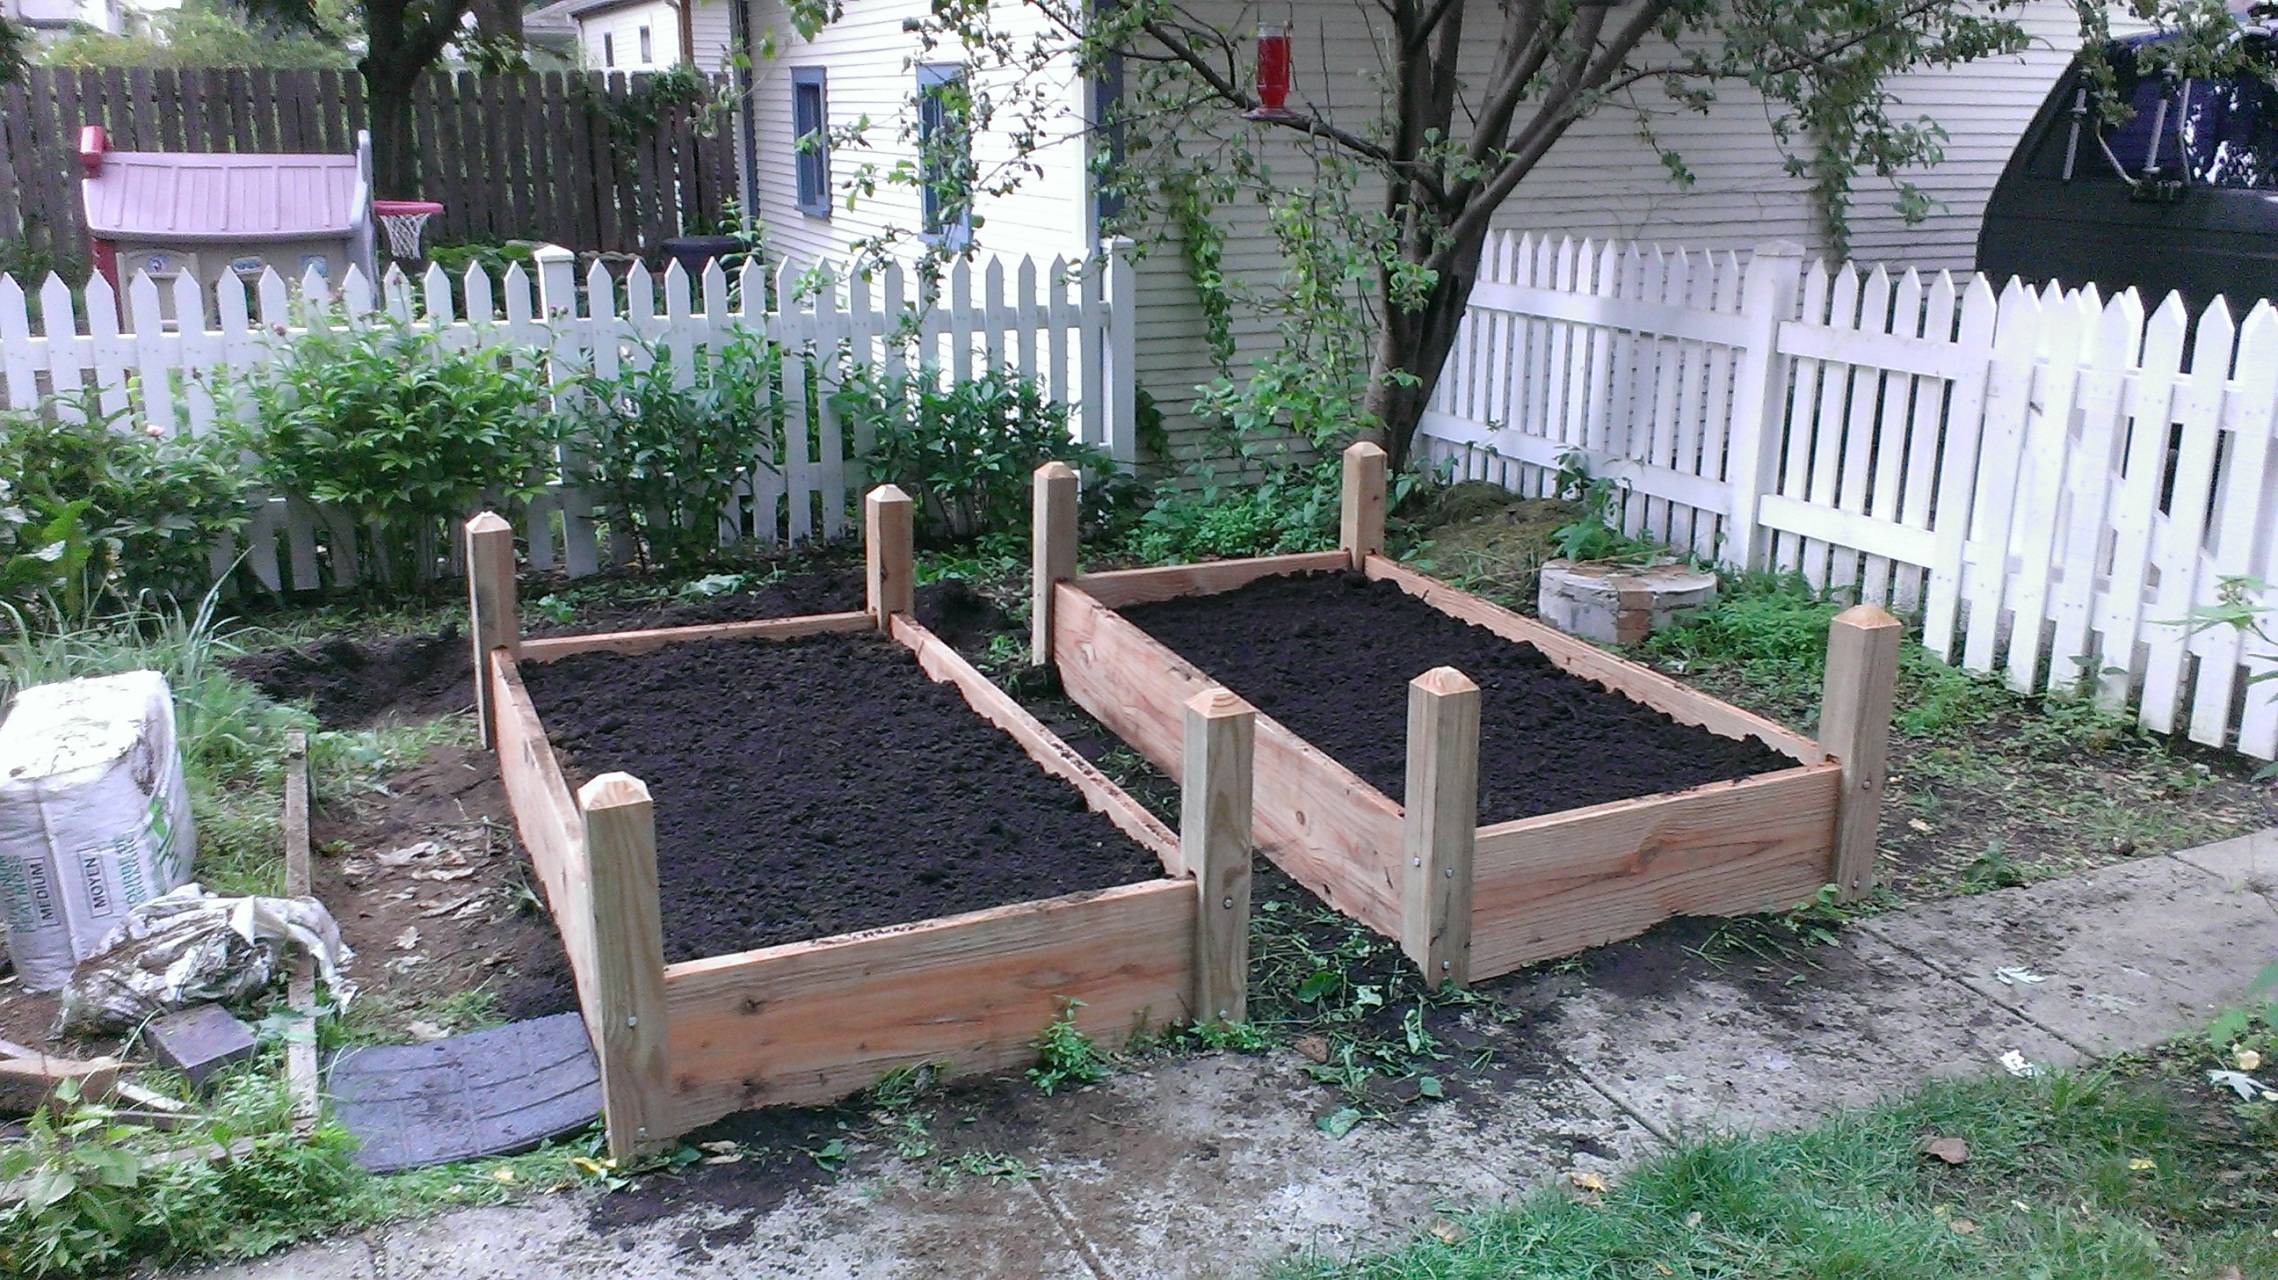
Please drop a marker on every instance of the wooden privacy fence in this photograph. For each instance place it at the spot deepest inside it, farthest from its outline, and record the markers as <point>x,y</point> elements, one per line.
<point>2046,479</point>
<point>67,351</point>
<point>590,160</point>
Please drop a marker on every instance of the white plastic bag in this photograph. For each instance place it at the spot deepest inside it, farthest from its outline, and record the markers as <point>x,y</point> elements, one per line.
<point>94,816</point>
<point>190,947</point>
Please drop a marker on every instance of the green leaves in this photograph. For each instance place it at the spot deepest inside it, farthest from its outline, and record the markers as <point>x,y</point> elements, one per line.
<point>965,451</point>
<point>399,429</point>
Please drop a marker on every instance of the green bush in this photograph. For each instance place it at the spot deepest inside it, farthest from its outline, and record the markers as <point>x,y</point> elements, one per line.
<point>399,430</point>
<point>93,511</point>
<point>97,1194</point>
<point>663,455</point>
<point>966,452</point>
<point>1292,506</point>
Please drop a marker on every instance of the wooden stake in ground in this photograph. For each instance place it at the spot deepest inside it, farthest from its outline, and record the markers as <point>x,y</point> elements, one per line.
<point>1053,537</point>
<point>300,986</point>
<point>1854,727</point>
<point>887,531</point>
<point>491,619</point>
<point>1361,526</point>
<point>1214,843</point>
<point>1441,824</point>
<point>627,934</point>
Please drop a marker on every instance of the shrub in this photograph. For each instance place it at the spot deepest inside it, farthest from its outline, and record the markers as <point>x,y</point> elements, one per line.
<point>663,455</point>
<point>1292,506</point>
<point>965,452</point>
<point>91,509</point>
<point>398,429</point>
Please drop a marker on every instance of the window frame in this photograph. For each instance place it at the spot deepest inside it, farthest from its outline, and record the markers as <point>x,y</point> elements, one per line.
<point>609,51</point>
<point>931,229</point>
<point>816,204</point>
<point>647,46</point>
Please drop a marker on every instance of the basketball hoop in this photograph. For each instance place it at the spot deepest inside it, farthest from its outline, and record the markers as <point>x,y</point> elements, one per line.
<point>404,221</point>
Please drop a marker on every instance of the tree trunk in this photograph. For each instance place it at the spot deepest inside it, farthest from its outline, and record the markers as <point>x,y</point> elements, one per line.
<point>395,166</point>
<point>1411,351</point>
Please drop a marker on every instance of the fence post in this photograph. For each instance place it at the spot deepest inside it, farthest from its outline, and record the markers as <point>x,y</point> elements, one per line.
<point>491,620</point>
<point>886,534</point>
<point>1361,520</point>
<point>1121,381</point>
<point>1759,394</point>
<point>1052,535</point>
<point>1214,843</point>
<point>1440,826</point>
<point>1854,728</point>
<point>627,936</point>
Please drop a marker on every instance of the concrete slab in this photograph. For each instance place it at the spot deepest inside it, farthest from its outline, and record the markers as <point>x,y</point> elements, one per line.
<point>2248,864</point>
<point>1215,1166</point>
<point>1778,1042</point>
<point>348,1259</point>
<point>853,1229</point>
<point>2129,955</point>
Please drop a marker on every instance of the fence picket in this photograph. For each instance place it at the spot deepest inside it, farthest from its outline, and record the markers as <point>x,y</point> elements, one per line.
<point>2087,478</point>
<point>1946,486</point>
<point>2135,499</point>
<point>2048,438</point>
<point>2179,553</point>
<point>2238,508</point>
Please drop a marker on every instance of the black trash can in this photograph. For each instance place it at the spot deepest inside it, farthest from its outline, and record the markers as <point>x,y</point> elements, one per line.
<point>694,253</point>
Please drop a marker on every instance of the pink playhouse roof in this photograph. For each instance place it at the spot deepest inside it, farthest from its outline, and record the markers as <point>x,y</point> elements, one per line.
<point>153,195</point>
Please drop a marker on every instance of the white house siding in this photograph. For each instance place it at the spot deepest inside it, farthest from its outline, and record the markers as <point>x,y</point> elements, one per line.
<point>711,34</point>
<point>1603,180</point>
<point>623,25</point>
<point>872,72</point>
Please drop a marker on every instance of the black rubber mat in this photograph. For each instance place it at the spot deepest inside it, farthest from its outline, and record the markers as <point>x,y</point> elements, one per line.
<point>486,1093</point>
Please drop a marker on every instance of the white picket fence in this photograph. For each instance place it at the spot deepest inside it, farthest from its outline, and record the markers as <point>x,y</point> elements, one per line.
<point>2045,479</point>
<point>159,366</point>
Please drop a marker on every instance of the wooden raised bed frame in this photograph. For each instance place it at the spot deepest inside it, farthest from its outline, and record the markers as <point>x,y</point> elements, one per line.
<point>1469,901</point>
<point>683,1044</point>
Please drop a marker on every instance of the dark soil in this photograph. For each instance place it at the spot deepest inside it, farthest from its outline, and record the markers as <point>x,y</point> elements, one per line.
<point>819,786</point>
<point>1330,655</point>
<point>358,683</point>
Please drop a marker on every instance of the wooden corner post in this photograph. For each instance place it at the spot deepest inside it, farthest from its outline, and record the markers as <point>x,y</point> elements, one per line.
<point>1361,528</point>
<point>1053,537</point>
<point>1441,824</point>
<point>1214,843</point>
<point>491,619</point>
<point>1854,728</point>
<point>627,937</point>
<point>890,563</point>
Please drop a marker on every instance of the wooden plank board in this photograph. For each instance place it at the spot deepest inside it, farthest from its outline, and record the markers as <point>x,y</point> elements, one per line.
<point>1550,886</point>
<point>938,660</point>
<point>1575,657</point>
<point>814,1021</point>
<point>1125,587</point>
<point>1332,832</point>
<point>547,819</point>
<point>300,986</point>
<point>554,648</point>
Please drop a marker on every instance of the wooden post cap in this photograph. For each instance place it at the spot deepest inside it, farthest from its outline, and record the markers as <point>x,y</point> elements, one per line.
<point>1366,449</point>
<point>887,493</point>
<point>1217,703</point>
<point>1055,470</point>
<point>488,522</point>
<point>612,791</point>
<point>1444,682</point>
<point>1866,616</point>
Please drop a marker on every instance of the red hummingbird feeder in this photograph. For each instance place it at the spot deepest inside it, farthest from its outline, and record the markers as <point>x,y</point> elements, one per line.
<point>1273,74</point>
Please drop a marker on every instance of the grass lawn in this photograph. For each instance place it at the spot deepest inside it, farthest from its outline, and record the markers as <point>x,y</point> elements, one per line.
<point>2142,1168</point>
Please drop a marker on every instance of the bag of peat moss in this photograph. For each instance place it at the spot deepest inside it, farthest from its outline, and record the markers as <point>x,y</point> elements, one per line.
<point>94,816</point>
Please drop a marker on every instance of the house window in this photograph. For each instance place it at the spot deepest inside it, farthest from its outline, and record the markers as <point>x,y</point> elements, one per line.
<point>945,155</point>
<point>608,48</point>
<point>810,140</point>
<point>646,57</point>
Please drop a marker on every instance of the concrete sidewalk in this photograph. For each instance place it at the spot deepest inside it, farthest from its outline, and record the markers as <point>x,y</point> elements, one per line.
<point>1213,1166</point>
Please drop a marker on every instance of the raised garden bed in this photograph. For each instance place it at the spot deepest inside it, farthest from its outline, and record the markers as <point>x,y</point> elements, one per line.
<point>862,855</point>
<point>1615,797</point>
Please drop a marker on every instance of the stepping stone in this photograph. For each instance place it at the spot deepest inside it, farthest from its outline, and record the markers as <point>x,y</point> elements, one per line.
<point>486,1093</point>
